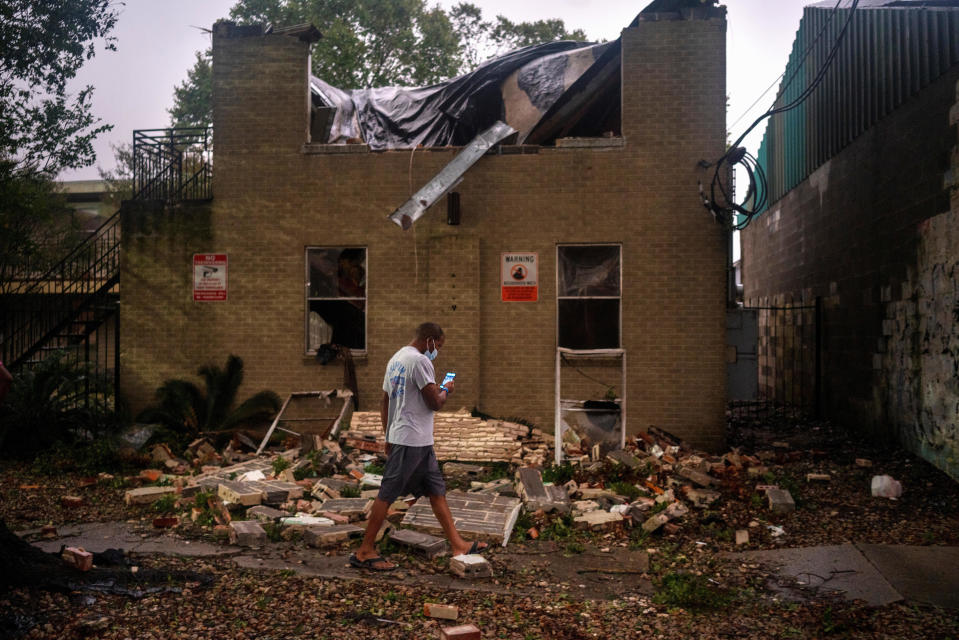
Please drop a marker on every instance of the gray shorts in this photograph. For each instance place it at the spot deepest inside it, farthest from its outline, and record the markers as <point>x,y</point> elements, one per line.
<point>411,470</point>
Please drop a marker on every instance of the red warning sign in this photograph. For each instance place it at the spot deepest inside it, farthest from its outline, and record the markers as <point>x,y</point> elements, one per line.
<point>519,277</point>
<point>209,277</point>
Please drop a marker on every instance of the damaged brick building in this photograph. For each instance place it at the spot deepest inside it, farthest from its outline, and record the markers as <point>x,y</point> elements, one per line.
<point>860,178</point>
<point>574,260</point>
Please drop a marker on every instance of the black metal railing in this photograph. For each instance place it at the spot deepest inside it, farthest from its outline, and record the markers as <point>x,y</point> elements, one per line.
<point>173,165</point>
<point>71,310</point>
<point>38,314</point>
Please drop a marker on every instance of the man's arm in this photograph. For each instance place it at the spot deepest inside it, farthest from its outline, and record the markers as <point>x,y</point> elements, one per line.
<point>384,416</point>
<point>434,396</point>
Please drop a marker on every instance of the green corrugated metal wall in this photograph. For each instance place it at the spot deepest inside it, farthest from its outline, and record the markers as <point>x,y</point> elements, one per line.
<point>888,55</point>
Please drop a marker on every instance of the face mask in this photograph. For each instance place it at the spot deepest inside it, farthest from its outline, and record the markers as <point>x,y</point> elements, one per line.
<point>432,353</point>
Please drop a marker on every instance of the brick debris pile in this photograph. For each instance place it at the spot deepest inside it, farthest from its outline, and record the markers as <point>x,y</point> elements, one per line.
<point>460,436</point>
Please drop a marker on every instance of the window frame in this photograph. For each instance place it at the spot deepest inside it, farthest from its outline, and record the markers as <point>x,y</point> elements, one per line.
<point>619,247</point>
<point>307,298</point>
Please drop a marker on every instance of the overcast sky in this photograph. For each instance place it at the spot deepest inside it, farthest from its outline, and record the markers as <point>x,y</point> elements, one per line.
<point>157,40</point>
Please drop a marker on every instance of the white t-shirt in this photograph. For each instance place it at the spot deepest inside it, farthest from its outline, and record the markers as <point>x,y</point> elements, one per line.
<point>409,420</point>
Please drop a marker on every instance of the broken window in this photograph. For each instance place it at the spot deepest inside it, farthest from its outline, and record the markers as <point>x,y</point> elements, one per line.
<point>336,297</point>
<point>588,296</point>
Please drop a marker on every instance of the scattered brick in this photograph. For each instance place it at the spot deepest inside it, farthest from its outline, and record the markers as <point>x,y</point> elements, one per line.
<point>780,501</point>
<point>442,611</point>
<point>471,566</point>
<point>247,533</point>
<point>71,502</point>
<point>166,522</point>
<point>431,546</point>
<point>462,632</point>
<point>78,557</point>
<point>320,536</point>
<point>742,536</point>
<point>146,495</point>
<point>818,477</point>
<point>151,475</point>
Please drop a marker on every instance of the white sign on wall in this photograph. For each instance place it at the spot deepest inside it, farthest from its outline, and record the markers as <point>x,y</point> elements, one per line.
<point>519,277</point>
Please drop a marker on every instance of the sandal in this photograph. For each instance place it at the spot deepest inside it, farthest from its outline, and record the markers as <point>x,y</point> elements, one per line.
<point>369,563</point>
<point>476,548</point>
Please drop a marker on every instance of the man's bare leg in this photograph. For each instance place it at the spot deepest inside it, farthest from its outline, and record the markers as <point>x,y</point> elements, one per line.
<point>441,509</point>
<point>367,549</point>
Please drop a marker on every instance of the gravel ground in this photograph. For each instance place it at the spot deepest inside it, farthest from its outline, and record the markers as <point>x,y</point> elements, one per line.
<point>686,591</point>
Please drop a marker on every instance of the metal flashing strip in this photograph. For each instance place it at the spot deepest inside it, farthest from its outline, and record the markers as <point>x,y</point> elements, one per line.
<point>450,175</point>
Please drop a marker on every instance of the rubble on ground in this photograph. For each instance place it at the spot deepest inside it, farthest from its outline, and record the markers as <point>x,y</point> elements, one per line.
<point>320,491</point>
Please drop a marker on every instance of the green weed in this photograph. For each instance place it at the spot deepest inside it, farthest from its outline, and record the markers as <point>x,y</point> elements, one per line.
<point>691,592</point>
<point>165,504</point>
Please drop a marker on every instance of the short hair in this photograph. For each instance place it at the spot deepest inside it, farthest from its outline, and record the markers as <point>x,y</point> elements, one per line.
<point>429,330</point>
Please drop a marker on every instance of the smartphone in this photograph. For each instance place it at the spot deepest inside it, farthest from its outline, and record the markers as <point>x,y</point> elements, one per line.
<point>448,378</point>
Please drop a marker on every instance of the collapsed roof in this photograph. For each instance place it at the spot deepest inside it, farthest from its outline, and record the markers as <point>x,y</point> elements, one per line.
<point>543,91</point>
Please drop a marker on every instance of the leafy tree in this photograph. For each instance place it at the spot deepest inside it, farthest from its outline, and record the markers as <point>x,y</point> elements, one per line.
<point>192,99</point>
<point>187,410</point>
<point>42,46</point>
<point>372,43</point>
<point>35,226</point>
<point>120,179</point>
<point>507,35</point>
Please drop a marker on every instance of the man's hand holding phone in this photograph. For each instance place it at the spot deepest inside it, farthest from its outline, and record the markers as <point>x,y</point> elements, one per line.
<point>448,382</point>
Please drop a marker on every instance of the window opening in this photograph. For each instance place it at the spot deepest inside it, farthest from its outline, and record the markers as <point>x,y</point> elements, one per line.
<point>336,297</point>
<point>589,296</point>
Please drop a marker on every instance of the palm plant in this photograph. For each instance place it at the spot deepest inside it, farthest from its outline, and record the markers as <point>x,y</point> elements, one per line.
<point>58,399</point>
<point>186,409</point>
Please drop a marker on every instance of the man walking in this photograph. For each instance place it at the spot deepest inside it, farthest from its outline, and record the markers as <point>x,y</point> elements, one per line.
<point>410,398</point>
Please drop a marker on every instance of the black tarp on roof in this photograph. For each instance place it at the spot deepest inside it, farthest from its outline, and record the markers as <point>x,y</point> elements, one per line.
<point>454,112</point>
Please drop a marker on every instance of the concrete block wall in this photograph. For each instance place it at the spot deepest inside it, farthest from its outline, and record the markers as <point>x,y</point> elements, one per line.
<point>857,233</point>
<point>276,196</point>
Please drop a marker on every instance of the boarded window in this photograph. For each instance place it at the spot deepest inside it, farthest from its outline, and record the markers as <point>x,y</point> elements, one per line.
<point>336,297</point>
<point>589,296</point>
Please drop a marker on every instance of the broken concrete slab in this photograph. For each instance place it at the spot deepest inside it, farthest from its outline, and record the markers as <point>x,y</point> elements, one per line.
<point>834,568</point>
<point>431,546</point>
<point>247,533</point>
<point>537,496</point>
<point>332,535</point>
<point>471,566</point>
<point>919,574</point>
<point>476,515</point>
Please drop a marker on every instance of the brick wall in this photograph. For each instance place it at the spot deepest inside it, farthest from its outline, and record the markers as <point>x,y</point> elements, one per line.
<point>274,197</point>
<point>856,233</point>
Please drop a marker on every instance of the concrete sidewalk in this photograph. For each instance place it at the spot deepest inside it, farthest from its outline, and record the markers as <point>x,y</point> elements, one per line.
<point>878,574</point>
<point>875,573</point>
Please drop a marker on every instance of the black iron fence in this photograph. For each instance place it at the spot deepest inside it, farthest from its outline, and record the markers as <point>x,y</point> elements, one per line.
<point>789,363</point>
<point>173,165</point>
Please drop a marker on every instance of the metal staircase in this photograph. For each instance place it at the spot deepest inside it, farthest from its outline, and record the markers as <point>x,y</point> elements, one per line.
<point>72,310</point>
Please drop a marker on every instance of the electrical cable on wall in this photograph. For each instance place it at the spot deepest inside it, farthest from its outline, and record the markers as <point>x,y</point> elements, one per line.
<point>720,201</point>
